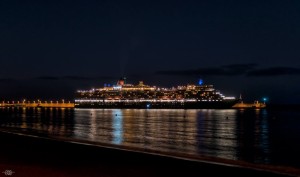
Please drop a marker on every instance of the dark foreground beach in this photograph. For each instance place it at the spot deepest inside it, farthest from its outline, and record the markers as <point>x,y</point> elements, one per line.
<point>30,156</point>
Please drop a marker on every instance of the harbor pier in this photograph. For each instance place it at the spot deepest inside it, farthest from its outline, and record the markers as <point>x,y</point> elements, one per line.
<point>35,104</point>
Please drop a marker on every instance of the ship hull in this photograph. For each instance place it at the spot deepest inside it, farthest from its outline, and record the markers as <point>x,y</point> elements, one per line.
<point>159,105</point>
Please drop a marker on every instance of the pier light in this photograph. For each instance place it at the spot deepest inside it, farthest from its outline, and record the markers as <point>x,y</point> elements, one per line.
<point>63,101</point>
<point>265,100</point>
<point>51,102</point>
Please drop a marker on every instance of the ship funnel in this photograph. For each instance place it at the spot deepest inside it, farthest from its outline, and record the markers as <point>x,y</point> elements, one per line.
<point>121,81</point>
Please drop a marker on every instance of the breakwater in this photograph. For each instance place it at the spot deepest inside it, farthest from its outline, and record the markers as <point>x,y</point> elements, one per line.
<point>33,104</point>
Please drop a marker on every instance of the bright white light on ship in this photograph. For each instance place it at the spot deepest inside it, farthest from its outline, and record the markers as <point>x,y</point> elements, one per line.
<point>229,98</point>
<point>117,87</point>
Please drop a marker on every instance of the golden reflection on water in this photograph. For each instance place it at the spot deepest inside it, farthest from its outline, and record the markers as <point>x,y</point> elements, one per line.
<point>220,133</point>
<point>152,129</point>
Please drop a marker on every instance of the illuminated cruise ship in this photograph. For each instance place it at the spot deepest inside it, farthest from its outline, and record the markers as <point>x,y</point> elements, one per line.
<point>123,95</point>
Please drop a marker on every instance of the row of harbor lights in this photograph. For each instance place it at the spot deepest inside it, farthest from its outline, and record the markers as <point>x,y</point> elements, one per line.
<point>38,101</point>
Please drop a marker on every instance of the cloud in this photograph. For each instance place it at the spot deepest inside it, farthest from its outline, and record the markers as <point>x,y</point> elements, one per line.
<point>6,80</point>
<point>274,71</point>
<point>249,69</point>
<point>77,78</point>
<point>48,78</point>
<point>225,70</point>
<point>73,78</point>
<point>241,67</point>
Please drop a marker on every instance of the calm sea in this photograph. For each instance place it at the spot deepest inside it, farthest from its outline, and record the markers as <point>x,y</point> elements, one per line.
<point>257,136</point>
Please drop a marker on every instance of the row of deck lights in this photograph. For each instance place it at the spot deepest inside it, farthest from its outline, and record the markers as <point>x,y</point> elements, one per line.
<point>145,100</point>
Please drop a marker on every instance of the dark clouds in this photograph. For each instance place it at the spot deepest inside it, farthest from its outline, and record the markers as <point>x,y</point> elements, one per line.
<point>226,70</point>
<point>49,78</point>
<point>235,70</point>
<point>274,71</point>
<point>49,87</point>
<point>6,80</point>
<point>240,67</point>
<point>73,78</point>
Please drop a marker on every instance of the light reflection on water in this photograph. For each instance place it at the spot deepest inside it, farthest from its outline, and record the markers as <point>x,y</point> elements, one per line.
<point>117,127</point>
<point>231,134</point>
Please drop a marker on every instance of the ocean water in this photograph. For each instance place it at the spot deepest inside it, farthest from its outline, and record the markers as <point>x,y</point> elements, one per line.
<point>256,136</point>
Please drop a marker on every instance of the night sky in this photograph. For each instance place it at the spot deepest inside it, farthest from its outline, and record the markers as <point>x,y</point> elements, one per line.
<point>49,49</point>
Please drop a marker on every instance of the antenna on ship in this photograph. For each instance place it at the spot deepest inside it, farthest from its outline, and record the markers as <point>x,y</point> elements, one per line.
<point>240,99</point>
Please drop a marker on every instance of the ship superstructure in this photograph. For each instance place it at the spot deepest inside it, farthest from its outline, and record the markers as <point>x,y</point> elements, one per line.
<point>123,95</point>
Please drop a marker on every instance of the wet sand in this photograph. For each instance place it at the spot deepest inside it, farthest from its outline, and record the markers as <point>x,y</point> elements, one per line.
<point>31,156</point>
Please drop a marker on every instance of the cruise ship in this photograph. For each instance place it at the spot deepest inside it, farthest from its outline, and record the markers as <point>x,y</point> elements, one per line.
<point>124,95</point>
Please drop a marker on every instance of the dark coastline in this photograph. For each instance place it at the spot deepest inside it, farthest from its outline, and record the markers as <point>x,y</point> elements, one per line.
<point>31,156</point>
